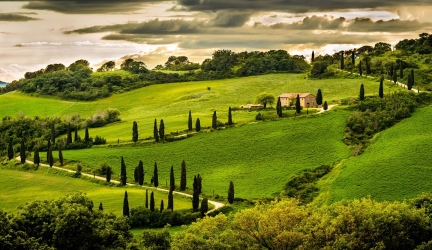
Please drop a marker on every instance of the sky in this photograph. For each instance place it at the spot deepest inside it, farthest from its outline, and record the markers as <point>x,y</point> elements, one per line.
<point>34,34</point>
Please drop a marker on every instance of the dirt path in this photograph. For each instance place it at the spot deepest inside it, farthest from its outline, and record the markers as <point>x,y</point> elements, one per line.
<point>328,108</point>
<point>216,204</point>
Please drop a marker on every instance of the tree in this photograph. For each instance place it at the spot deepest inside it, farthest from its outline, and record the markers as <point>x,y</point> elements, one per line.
<point>368,68</point>
<point>36,157</point>
<point>53,132</point>
<point>381,88</point>
<point>87,136</point>
<point>183,176</point>
<point>204,206</point>
<point>342,62</point>
<point>146,199</point>
<point>265,98</point>
<point>48,147</point>
<point>60,153</point>
<point>195,201</point>
<point>140,173</point>
<point>69,135</point>
<point>50,157</point>
<point>199,183</point>
<point>122,172</point>
<point>198,125</point>
<point>10,150</point>
<point>297,104</point>
<point>135,131</point>
<point>214,120</point>
<point>231,193</point>
<point>161,206</point>
<point>412,77</point>
<point>279,107</point>
<point>394,76</point>
<point>400,70</point>
<point>409,81</point>
<point>100,207</point>
<point>381,48</point>
<point>325,105</point>
<point>362,92</point>
<point>230,121</point>
<point>152,202</point>
<point>172,179</point>
<point>136,174</point>
<point>319,97</point>
<point>155,131</point>
<point>155,176</point>
<point>313,56</point>
<point>170,200</point>
<point>162,130</point>
<point>108,66</point>
<point>22,152</point>
<point>76,137</point>
<point>353,57</point>
<point>108,174</point>
<point>360,68</point>
<point>190,121</point>
<point>126,205</point>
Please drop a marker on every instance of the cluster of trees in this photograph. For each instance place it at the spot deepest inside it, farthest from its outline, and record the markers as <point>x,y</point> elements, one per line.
<point>178,63</point>
<point>421,45</point>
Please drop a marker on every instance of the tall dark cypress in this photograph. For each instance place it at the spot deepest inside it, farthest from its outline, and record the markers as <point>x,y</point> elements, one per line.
<point>50,157</point>
<point>183,176</point>
<point>155,131</point>
<point>155,176</point>
<point>362,92</point>
<point>170,200</point>
<point>172,179</point>
<point>136,174</point>
<point>204,206</point>
<point>48,147</point>
<point>135,131</point>
<point>146,200</point>
<point>381,87</point>
<point>108,174</point>
<point>10,150</point>
<point>161,206</point>
<point>412,77</point>
<point>230,121</point>
<point>214,120</point>
<point>313,56</point>
<point>122,172</point>
<point>126,205</point>
<point>231,193</point>
<point>368,69</point>
<point>279,107</point>
<point>87,136</point>
<point>152,202</point>
<point>199,183</point>
<point>360,68</point>
<point>400,70</point>
<point>100,207</point>
<point>195,199</point>
<point>190,121</point>
<point>297,105</point>
<point>69,135</point>
<point>391,70</point>
<point>162,130</point>
<point>395,77</point>
<point>342,62</point>
<point>319,97</point>
<point>36,157</point>
<point>22,152</point>
<point>198,125</point>
<point>53,134</point>
<point>60,152</point>
<point>76,137</point>
<point>353,58</point>
<point>140,173</point>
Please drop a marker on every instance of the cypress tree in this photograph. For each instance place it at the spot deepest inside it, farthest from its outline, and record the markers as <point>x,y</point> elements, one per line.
<point>155,131</point>
<point>140,173</point>
<point>126,205</point>
<point>412,77</point>
<point>60,154</point>
<point>136,174</point>
<point>170,201</point>
<point>279,107</point>
<point>325,106</point>
<point>195,201</point>
<point>162,130</point>
<point>368,69</point>
<point>353,58</point>
<point>135,131</point>
<point>230,121</point>
<point>172,180</point>
<point>76,138</point>
<point>362,92</point>
<point>10,150</point>
<point>204,206</point>
<point>100,206</point>
<point>319,97</point>
<point>394,76</point>
<point>155,176</point>
<point>190,121</point>
<point>50,157</point>
<point>108,174</point>
<point>199,183</point>
<point>391,70</point>
<point>342,63</point>
<point>146,200</point>
<point>48,147</point>
<point>214,120</point>
<point>69,135</point>
<point>313,56</point>
<point>198,125</point>
<point>53,135</point>
<point>22,152</point>
<point>360,68</point>
<point>381,88</point>
<point>36,158</point>
<point>231,193</point>
<point>122,172</point>
<point>183,176</point>
<point>152,202</point>
<point>409,83</point>
<point>297,105</point>
<point>87,136</point>
<point>400,70</point>
<point>161,206</point>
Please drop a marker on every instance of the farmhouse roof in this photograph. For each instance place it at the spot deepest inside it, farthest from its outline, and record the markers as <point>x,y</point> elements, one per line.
<point>294,95</point>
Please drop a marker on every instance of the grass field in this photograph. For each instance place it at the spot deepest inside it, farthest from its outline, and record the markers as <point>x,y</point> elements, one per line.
<point>396,166</point>
<point>257,157</point>
<point>19,187</point>
<point>172,102</point>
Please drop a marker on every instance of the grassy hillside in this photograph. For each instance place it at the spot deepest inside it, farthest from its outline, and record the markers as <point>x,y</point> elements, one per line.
<point>395,167</point>
<point>257,157</point>
<point>21,187</point>
<point>172,102</point>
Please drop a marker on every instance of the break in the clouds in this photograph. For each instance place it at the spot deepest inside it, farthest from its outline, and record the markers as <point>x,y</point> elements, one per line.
<point>16,17</point>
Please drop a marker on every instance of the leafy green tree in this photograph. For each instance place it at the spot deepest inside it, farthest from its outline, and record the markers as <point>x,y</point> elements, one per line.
<point>100,207</point>
<point>157,239</point>
<point>123,177</point>
<point>325,105</point>
<point>360,68</point>
<point>198,125</point>
<point>297,105</point>
<point>126,205</point>
<point>53,134</point>
<point>108,66</point>
<point>10,150</point>
<point>155,131</point>
<point>135,131</point>
<point>108,173</point>
<point>50,157</point>
<point>231,193</point>
<point>170,200</point>
<point>36,157</point>
<point>204,206</point>
<point>69,135</point>
<point>380,48</point>
<point>342,61</point>
<point>152,202</point>
<point>162,130</point>
<point>155,176</point>
<point>172,179</point>
<point>146,199</point>
<point>183,176</point>
<point>319,97</point>
<point>214,120</point>
<point>265,98</point>
<point>381,88</point>
<point>362,92</point>
<point>190,121</point>
<point>279,107</point>
<point>161,208</point>
<point>140,173</point>
<point>22,152</point>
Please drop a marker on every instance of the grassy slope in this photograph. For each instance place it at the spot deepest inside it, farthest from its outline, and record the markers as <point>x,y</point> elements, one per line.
<point>21,187</point>
<point>172,102</point>
<point>395,167</point>
<point>257,157</point>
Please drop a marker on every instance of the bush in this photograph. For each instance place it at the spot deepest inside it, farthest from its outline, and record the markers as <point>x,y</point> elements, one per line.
<point>143,217</point>
<point>99,140</point>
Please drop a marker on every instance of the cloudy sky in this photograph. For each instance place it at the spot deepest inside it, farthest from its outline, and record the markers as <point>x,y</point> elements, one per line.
<point>34,34</point>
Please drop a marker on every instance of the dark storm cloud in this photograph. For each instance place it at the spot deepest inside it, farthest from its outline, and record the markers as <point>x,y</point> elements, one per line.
<point>13,17</point>
<point>227,19</point>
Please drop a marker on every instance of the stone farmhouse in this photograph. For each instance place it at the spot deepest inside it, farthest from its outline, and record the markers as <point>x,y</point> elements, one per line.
<point>307,100</point>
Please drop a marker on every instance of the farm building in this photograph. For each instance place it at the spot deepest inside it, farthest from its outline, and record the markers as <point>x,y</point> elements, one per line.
<point>307,100</point>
